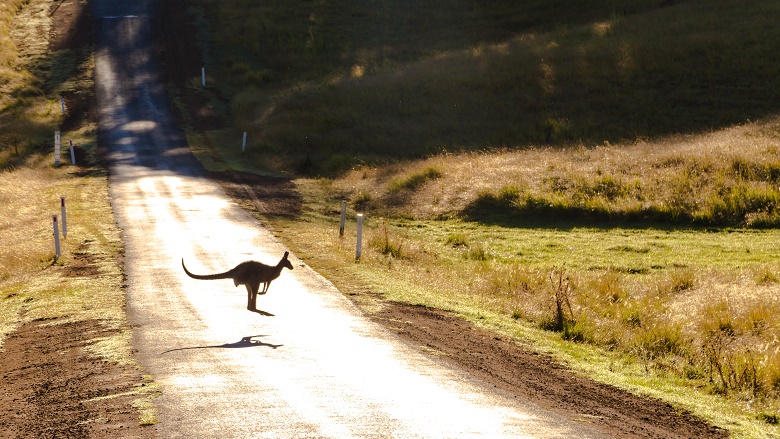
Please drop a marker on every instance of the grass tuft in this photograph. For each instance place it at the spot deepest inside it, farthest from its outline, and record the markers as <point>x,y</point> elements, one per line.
<point>414,181</point>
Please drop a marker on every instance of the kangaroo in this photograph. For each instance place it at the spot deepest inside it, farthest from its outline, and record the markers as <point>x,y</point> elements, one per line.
<point>250,274</point>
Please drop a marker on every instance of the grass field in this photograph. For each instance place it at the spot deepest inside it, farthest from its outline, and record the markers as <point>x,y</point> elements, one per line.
<point>600,182</point>
<point>647,300</point>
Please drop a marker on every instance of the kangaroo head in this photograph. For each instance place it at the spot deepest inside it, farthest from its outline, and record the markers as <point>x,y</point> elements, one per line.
<point>286,262</point>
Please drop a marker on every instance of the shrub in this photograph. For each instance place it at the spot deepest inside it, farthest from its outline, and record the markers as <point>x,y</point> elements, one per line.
<point>743,169</point>
<point>658,340</point>
<point>679,280</point>
<point>457,240</point>
<point>607,289</point>
<point>608,187</point>
<point>738,203</point>
<point>561,319</point>
<point>732,366</point>
<point>476,252</point>
<point>767,418</point>
<point>508,195</point>
<point>414,181</point>
<point>361,200</point>
<point>386,244</point>
<point>765,275</point>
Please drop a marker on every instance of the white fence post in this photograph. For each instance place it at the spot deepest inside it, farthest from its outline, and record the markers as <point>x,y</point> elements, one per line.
<point>243,143</point>
<point>203,76</point>
<point>72,154</point>
<point>359,247</point>
<point>64,218</point>
<point>56,236</point>
<point>62,104</point>
<point>56,148</point>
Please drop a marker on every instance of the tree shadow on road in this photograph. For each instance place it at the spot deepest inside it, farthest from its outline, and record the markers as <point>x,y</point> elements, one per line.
<point>245,342</point>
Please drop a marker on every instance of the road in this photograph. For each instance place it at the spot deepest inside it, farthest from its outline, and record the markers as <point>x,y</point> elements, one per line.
<point>317,368</point>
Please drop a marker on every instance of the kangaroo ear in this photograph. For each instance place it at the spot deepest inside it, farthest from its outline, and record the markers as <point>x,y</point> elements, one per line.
<point>285,255</point>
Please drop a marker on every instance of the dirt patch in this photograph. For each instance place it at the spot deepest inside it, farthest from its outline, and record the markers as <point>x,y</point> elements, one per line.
<point>83,263</point>
<point>537,377</point>
<point>268,196</point>
<point>54,388</point>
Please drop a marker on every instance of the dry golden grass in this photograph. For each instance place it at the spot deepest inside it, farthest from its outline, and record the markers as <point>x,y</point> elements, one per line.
<point>33,283</point>
<point>26,242</point>
<point>84,284</point>
<point>32,280</point>
<point>28,116</point>
<point>685,173</point>
<point>8,47</point>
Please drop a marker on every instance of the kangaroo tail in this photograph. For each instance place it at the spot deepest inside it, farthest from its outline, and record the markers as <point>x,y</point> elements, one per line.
<point>225,275</point>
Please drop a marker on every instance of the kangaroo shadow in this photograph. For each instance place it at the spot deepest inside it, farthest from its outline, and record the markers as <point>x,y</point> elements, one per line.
<point>245,342</point>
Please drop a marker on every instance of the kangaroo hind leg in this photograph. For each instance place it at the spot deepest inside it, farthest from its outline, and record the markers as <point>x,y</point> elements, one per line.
<point>252,303</point>
<point>251,297</point>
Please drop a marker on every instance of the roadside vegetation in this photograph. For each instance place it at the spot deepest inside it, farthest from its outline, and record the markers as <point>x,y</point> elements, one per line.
<point>85,283</point>
<point>601,183</point>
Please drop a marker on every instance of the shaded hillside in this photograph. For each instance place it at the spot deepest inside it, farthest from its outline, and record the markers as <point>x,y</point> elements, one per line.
<point>330,85</point>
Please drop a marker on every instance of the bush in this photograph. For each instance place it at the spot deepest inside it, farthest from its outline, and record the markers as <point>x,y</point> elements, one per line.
<point>476,253</point>
<point>659,340</point>
<point>738,204</point>
<point>457,240</point>
<point>414,181</point>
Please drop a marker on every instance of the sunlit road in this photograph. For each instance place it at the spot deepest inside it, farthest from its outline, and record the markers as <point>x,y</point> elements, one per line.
<point>317,368</point>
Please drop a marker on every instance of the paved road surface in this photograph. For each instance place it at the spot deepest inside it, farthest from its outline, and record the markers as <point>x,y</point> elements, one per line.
<point>317,368</point>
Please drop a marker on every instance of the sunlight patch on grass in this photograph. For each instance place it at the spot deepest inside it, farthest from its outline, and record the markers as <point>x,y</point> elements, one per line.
<point>116,348</point>
<point>145,405</point>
